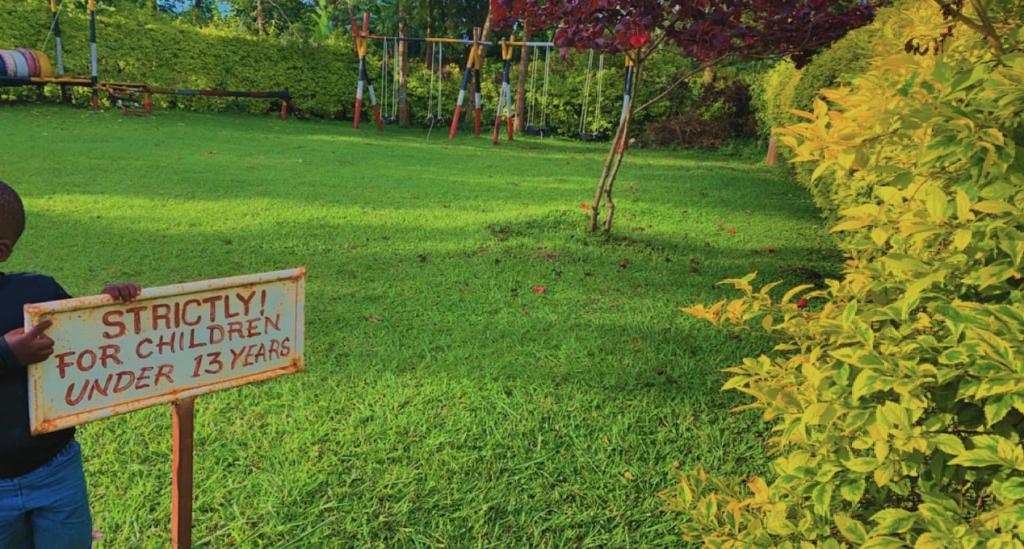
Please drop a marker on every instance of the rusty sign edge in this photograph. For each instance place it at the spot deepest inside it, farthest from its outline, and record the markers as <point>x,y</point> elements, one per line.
<point>184,288</point>
<point>34,311</point>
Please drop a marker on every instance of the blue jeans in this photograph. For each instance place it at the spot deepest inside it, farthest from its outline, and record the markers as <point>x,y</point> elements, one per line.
<point>47,508</point>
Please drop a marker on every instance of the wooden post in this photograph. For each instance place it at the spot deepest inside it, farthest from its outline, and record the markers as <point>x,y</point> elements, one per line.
<point>183,424</point>
<point>773,151</point>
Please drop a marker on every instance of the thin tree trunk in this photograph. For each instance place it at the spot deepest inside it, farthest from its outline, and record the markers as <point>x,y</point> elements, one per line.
<point>612,164</point>
<point>261,20</point>
<point>197,11</point>
<point>430,30</point>
<point>403,72</point>
<point>524,69</point>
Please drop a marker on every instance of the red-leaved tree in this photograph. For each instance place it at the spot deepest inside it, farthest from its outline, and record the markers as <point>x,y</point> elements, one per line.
<point>706,31</point>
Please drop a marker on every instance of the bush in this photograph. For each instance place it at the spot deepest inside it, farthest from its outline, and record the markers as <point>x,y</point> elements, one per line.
<point>139,45</point>
<point>145,46</point>
<point>773,96</point>
<point>896,394</point>
<point>834,67</point>
<point>721,112</point>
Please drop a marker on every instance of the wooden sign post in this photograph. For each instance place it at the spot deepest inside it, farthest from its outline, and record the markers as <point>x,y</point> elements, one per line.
<point>170,345</point>
<point>182,427</point>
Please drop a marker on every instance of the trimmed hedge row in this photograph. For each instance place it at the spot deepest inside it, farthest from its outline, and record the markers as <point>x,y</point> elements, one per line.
<point>142,46</point>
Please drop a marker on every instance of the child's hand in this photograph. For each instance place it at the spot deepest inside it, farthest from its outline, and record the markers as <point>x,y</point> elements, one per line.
<point>32,346</point>
<point>122,292</point>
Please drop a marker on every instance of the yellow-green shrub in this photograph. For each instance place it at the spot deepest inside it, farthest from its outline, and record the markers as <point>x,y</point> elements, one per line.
<point>896,393</point>
<point>773,96</point>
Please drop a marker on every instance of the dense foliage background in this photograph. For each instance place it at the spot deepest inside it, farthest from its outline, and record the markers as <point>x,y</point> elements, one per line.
<point>164,48</point>
<point>895,394</point>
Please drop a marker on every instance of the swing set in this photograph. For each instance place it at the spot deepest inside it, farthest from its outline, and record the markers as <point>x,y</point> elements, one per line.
<point>471,75</point>
<point>591,116</point>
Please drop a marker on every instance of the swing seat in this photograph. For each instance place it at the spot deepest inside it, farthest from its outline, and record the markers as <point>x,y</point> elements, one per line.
<point>389,119</point>
<point>537,130</point>
<point>588,137</point>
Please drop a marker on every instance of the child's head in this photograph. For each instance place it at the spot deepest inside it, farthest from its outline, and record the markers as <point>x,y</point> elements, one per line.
<point>12,220</point>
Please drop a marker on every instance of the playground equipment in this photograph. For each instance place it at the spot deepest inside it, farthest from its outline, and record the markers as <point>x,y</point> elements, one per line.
<point>530,127</point>
<point>590,133</point>
<point>26,67</point>
<point>504,96</point>
<point>437,67</point>
<point>471,76</point>
<point>360,43</point>
<point>23,64</point>
<point>474,64</point>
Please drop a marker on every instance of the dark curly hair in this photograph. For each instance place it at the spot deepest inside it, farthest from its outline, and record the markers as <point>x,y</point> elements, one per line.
<point>12,213</point>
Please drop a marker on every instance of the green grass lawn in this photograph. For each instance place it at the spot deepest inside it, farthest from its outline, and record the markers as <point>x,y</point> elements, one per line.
<point>444,402</point>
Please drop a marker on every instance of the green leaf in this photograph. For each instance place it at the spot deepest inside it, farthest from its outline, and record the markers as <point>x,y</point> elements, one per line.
<point>851,225</point>
<point>820,170</point>
<point>851,529</point>
<point>954,355</point>
<point>822,498</point>
<point>961,239</point>
<point>936,203</point>
<point>889,195</point>
<point>852,490</point>
<point>849,313</point>
<point>866,383</point>
<point>861,465</point>
<point>997,408</point>
<point>978,457</point>
<point>776,523</point>
<point>963,206</point>
<point>949,444</point>
<point>1009,491</point>
<point>905,264</point>
<point>816,413</point>
<point>884,542</point>
<point>994,207</point>
<point>892,521</point>
<point>893,415</point>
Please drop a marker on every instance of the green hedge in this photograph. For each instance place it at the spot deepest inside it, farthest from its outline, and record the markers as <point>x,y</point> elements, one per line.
<point>138,45</point>
<point>784,88</point>
<point>142,46</point>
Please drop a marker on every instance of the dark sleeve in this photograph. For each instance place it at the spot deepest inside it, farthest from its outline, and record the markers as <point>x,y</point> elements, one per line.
<point>59,292</point>
<point>7,359</point>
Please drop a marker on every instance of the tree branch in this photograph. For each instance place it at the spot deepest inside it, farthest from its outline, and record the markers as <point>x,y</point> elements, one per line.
<point>988,31</point>
<point>679,81</point>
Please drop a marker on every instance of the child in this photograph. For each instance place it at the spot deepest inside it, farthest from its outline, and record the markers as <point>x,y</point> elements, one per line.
<point>43,501</point>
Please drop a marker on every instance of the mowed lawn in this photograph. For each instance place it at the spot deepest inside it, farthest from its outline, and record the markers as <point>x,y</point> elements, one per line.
<point>445,402</point>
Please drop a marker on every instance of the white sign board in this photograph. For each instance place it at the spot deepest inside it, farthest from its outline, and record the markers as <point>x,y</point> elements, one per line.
<point>170,343</point>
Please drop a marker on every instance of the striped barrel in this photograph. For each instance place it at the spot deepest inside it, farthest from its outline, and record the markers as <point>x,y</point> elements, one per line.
<point>23,63</point>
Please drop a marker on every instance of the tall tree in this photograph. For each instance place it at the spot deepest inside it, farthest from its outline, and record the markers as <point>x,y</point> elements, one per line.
<point>261,18</point>
<point>706,31</point>
<point>403,69</point>
<point>430,32</point>
<point>524,68</point>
